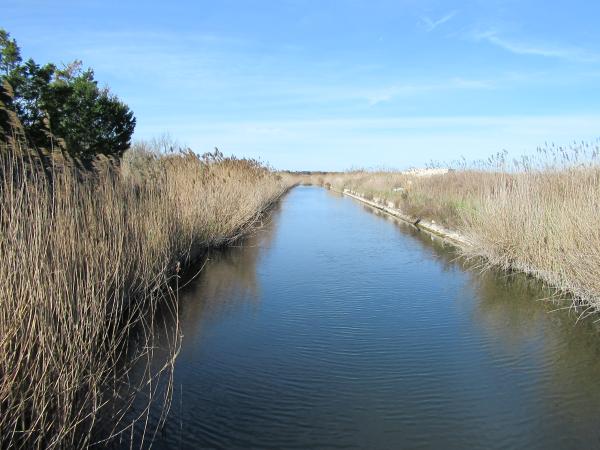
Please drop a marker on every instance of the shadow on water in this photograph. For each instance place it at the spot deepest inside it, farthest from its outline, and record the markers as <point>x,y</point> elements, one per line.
<point>329,328</point>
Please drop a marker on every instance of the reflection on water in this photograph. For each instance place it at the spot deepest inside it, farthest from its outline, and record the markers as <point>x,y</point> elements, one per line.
<point>333,327</point>
<point>228,281</point>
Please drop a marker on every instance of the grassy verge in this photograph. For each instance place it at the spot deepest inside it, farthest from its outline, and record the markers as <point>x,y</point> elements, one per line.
<point>86,259</point>
<point>537,215</point>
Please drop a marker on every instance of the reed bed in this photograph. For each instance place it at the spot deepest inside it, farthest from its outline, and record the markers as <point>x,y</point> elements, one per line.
<point>538,214</point>
<point>87,258</point>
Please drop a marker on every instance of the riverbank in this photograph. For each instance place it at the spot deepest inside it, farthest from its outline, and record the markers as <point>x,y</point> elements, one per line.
<point>87,259</point>
<point>538,217</point>
<point>429,226</point>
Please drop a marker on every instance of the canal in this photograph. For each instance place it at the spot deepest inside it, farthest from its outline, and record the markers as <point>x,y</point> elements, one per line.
<point>337,327</point>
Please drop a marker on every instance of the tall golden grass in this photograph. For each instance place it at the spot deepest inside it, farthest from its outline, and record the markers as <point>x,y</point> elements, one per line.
<point>86,260</point>
<point>538,215</point>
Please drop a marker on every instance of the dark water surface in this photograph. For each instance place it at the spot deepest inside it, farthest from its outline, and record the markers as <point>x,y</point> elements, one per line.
<point>336,327</point>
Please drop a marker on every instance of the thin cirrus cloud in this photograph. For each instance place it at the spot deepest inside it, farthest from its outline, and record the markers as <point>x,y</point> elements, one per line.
<point>431,24</point>
<point>208,74</point>
<point>392,92</point>
<point>522,47</point>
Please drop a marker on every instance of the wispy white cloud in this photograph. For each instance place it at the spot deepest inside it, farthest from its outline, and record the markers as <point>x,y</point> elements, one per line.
<point>203,68</point>
<point>389,93</point>
<point>523,47</point>
<point>431,24</point>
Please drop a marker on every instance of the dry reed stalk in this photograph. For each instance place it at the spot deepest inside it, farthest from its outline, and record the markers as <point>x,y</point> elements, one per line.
<point>85,264</point>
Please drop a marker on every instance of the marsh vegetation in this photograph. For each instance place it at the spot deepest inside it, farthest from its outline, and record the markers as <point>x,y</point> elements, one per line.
<point>537,214</point>
<point>86,258</point>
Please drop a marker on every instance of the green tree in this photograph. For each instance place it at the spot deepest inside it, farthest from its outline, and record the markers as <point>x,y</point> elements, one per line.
<point>10,54</point>
<point>89,118</point>
<point>65,103</point>
<point>31,83</point>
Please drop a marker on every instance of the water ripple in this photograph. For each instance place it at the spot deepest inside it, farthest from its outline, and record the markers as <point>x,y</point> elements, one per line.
<point>334,328</point>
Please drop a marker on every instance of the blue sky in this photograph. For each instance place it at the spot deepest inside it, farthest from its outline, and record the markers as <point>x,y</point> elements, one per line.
<point>335,84</point>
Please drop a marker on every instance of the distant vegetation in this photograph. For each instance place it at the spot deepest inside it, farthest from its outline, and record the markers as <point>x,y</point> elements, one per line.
<point>538,214</point>
<point>92,246</point>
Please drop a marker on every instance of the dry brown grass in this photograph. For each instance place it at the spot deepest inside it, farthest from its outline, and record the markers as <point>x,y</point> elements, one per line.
<point>85,262</point>
<point>538,215</point>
